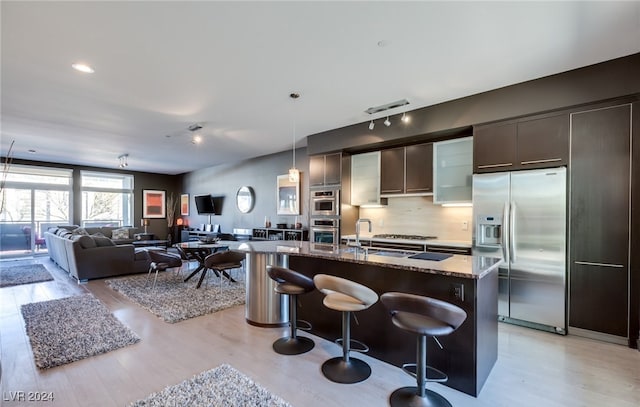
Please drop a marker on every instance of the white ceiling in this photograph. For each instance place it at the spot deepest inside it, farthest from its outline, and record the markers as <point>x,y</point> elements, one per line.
<point>230,66</point>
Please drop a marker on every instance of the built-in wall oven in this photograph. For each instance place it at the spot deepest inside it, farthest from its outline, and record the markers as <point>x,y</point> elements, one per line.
<point>325,202</point>
<point>325,230</point>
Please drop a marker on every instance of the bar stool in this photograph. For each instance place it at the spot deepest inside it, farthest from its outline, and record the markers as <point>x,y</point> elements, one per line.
<point>423,316</point>
<point>292,284</point>
<point>160,261</point>
<point>345,296</point>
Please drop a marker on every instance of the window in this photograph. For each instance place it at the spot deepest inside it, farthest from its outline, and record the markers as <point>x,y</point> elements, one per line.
<point>107,199</point>
<point>33,199</point>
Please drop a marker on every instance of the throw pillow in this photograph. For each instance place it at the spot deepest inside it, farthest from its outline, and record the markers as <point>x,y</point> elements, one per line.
<point>80,231</point>
<point>85,241</point>
<point>118,234</point>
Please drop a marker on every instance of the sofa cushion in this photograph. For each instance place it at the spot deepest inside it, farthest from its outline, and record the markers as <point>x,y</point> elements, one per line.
<point>102,241</point>
<point>85,241</point>
<point>68,227</point>
<point>80,231</point>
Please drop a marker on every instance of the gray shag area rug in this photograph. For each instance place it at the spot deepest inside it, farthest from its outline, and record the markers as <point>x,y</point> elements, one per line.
<point>223,386</point>
<point>27,274</point>
<point>174,300</point>
<point>73,328</point>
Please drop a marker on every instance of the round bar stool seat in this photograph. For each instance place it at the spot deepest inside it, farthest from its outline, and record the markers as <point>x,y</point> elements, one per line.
<point>425,317</point>
<point>291,283</point>
<point>346,296</point>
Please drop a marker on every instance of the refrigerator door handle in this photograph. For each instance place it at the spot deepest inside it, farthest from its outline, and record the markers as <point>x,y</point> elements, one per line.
<point>505,232</point>
<point>512,231</point>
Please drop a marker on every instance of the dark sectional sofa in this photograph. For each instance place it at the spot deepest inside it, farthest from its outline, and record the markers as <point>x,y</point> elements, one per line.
<point>89,253</point>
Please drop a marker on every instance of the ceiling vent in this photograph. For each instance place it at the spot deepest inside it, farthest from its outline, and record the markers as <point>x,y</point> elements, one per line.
<point>194,127</point>
<point>388,106</point>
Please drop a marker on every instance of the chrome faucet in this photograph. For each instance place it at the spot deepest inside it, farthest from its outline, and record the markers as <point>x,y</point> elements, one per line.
<point>358,229</point>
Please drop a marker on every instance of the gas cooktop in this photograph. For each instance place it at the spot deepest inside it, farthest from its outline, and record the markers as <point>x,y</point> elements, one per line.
<point>405,237</point>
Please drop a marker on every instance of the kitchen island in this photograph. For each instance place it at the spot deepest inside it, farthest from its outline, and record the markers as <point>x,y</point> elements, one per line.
<point>470,282</point>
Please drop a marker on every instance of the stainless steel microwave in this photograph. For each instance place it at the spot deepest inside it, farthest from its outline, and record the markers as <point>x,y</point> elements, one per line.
<point>325,202</point>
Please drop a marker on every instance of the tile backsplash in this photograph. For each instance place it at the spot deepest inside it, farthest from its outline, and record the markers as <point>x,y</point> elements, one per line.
<point>419,216</point>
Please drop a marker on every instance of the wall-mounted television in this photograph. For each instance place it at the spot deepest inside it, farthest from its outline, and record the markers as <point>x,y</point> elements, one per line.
<point>209,205</point>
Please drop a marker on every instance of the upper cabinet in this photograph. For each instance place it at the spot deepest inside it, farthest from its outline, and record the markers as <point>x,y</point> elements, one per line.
<point>452,171</point>
<point>365,179</point>
<point>522,144</point>
<point>325,169</point>
<point>407,170</point>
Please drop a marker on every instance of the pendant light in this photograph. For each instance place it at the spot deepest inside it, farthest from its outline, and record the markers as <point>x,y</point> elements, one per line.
<point>294,173</point>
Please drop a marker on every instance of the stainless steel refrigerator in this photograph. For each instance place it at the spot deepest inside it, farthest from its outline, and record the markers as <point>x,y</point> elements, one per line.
<point>520,216</point>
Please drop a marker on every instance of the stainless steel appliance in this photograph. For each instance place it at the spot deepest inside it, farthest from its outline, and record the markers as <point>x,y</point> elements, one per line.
<point>520,216</point>
<point>325,230</point>
<point>325,202</point>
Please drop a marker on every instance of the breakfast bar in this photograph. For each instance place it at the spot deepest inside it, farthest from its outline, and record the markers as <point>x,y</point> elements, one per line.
<point>471,282</point>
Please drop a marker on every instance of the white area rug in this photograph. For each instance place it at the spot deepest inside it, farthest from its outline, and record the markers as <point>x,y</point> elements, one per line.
<point>73,328</point>
<point>174,300</point>
<point>223,386</point>
<point>17,275</point>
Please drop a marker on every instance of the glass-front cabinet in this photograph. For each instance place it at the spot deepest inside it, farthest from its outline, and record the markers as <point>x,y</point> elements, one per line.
<point>452,171</point>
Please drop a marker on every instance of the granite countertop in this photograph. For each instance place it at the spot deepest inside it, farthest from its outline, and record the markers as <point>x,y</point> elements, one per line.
<point>474,267</point>
<point>430,242</point>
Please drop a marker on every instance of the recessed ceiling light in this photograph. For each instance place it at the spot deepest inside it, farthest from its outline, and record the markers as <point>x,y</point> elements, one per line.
<point>82,68</point>
<point>196,139</point>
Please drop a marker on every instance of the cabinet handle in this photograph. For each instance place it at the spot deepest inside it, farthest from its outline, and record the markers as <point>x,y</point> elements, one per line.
<point>388,191</point>
<point>549,160</point>
<point>588,263</point>
<point>418,189</point>
<point>495,165</point>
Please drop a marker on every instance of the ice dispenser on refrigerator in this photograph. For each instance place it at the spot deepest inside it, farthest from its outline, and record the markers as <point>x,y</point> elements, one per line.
<point>489,230</point>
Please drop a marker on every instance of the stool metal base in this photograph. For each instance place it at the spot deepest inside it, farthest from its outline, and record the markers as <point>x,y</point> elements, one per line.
<point>293,346</point>
<point>339,371</point>
<point>408,397</point>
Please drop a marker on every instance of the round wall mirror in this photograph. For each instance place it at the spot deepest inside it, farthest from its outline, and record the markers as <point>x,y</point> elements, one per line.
<point>245,199</point>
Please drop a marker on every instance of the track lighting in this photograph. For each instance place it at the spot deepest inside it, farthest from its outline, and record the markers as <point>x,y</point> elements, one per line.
<point>405,118</point>
<point>387,122</point>
<point>123,160</point>
<point>372,125</point>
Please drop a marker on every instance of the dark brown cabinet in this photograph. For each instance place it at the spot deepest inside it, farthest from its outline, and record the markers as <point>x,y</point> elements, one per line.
<point>527,143</point>
<point>325,169</point>
<point>600,216</point>
<point>392,171</point>
<point>419,168</point>
<point>407,170</point>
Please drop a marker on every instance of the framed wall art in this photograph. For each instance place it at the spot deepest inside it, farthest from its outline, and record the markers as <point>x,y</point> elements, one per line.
<point>184,205</point>
<point>154,204</point>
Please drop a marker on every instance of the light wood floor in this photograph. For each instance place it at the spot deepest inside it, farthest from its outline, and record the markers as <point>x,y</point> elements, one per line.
<point>533,369</point>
